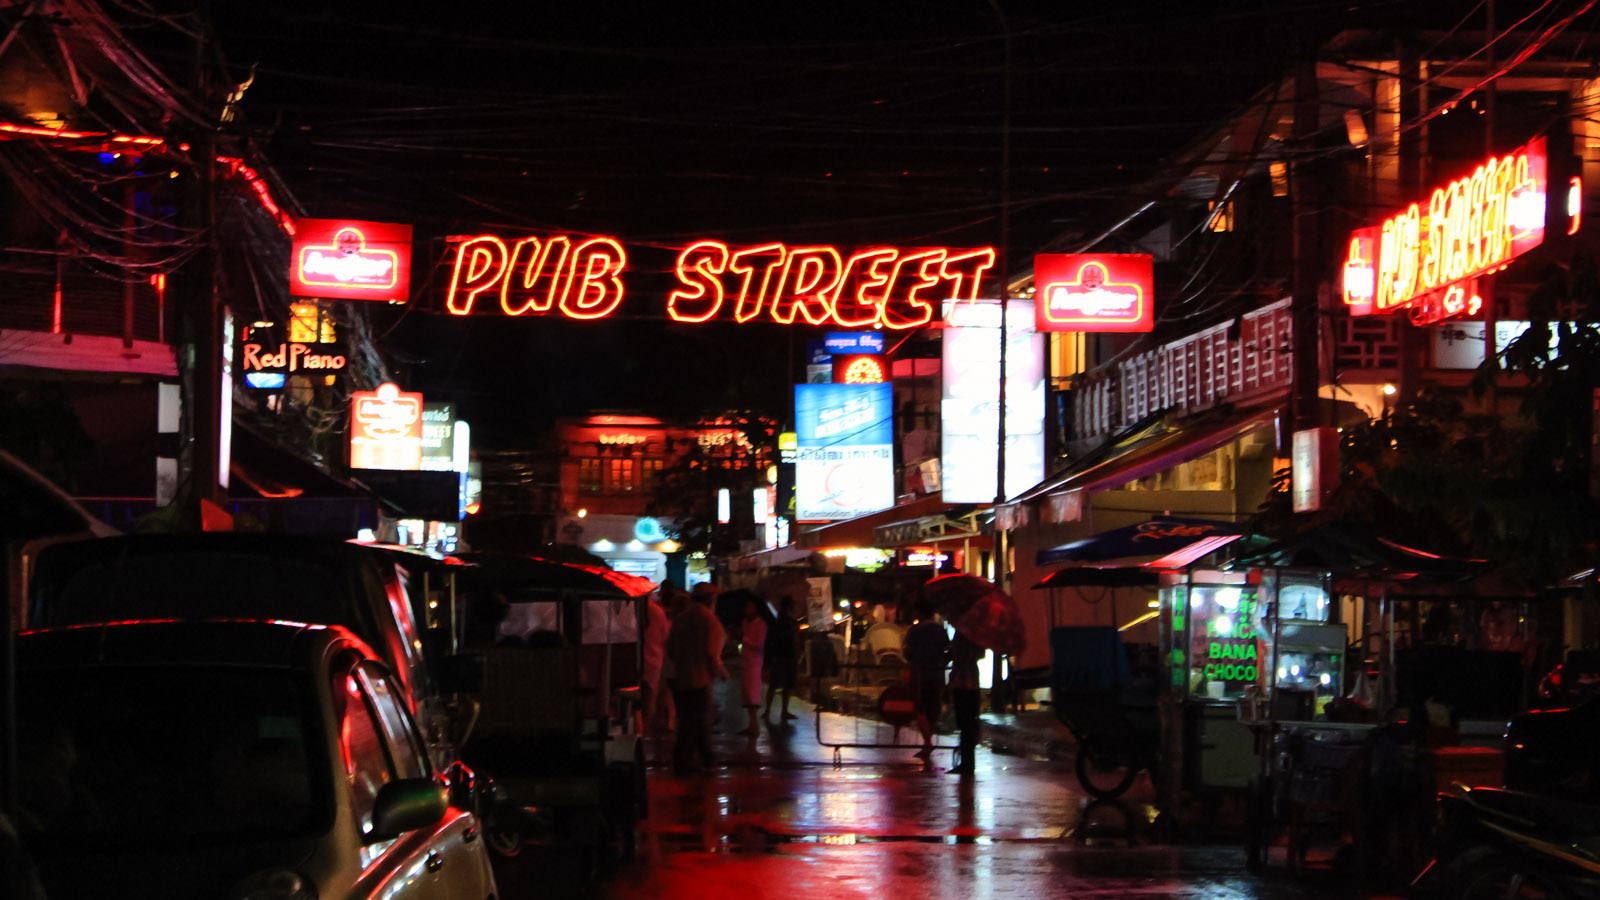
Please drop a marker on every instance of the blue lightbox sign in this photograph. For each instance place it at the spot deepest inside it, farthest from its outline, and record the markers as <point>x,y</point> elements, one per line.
<point>851,342</point>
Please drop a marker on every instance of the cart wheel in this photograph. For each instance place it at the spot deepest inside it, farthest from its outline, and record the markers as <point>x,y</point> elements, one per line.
<point>641,784</point>
<point>1257,813</point>
<point>1107,777</point>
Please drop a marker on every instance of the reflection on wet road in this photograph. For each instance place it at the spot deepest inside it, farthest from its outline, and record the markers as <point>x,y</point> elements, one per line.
<point>777,819</point>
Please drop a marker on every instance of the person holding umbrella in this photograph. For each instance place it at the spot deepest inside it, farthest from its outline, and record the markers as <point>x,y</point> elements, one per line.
<point>984,617</point>
<point>964,698</point>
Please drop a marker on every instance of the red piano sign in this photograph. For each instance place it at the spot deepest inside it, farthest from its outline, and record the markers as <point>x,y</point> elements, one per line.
<point>338,259</point>
<point>386,429</point>
<point>1093,292</point>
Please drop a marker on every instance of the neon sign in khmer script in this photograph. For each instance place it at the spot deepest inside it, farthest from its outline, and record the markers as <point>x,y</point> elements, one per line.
<point>1472,226</point>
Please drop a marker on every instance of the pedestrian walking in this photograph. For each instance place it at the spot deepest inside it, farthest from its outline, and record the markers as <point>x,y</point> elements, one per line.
<point>927,648</point>
<point>655,652</point>
<point>964,697</point>
<point>781,661</point>
<point>752,648</point>
<point>694,647</point>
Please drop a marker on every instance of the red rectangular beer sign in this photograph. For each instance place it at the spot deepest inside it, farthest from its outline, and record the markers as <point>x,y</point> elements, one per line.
<point>341,259</point>
<point>386,429</point>
<point>1093,291</point>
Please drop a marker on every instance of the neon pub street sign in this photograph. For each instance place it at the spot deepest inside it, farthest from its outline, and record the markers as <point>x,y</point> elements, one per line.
<point>884,286</point>
<point>1427,260</point>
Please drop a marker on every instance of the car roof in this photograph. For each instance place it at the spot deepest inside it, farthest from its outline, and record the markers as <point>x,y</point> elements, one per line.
<point>214,541</point>
<point>264,644</point>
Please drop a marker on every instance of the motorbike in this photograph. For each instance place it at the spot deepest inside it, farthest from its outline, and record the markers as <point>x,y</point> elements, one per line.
<point>1499,844</point>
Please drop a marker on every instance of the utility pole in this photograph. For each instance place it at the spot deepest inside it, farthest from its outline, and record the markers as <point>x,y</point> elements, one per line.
<point>1486,283</point>
<point>1001,550</point>
<point>1308,252</point>
<point>200,332</point>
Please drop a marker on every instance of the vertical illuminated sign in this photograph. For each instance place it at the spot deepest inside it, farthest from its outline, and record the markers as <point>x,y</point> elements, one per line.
<point>386,429</point>
<point>225,411</point>
<point>970,421</point>
<point>844,462</point>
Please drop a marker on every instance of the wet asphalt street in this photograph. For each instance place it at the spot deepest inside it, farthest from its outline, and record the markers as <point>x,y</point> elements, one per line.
<point>778,818</point>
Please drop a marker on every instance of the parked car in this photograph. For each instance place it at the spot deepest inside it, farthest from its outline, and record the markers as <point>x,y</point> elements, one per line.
<point>259,576</point>
<point>1552,752</point>
<point>1572,682</point>
<point>231,760</point>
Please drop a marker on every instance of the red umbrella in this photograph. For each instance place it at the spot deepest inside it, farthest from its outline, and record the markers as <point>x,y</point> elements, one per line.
<point>984,613</point>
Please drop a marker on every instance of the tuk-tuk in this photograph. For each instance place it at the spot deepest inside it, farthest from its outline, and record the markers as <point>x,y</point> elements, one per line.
<point>556,732</point>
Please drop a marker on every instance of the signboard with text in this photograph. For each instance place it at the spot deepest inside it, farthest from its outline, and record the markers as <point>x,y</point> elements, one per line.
<point>852,342</point>
<point>1425,258</point>
<point>1094,291</point>
<point>582,277</point>
<point>844,462</point>
<point>386,429</point>
<point>341,259</point>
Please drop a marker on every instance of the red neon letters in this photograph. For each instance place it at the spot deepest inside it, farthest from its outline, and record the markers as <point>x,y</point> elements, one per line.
<point>887,286</point>
<point>584,281</point>
<point>1469,227</point>
<point>817,285</point>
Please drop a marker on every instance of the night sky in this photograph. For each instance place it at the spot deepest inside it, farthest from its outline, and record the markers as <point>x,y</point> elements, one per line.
<point>839,123</point>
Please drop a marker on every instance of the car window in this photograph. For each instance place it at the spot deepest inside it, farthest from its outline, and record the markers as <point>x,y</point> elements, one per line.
<point>361,746</point>
<point>139,756</point>
<point>405,749</point>
<point>194,585</point>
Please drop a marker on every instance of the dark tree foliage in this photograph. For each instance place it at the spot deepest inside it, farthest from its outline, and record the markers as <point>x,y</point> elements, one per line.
<point>686,492</point>
<point>42,430</point>
<point>1514,490</point>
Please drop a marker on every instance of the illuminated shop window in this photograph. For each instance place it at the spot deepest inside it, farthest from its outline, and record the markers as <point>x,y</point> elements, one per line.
<point>619,476</point>
<point>649,470</point>
<point>310,324</point>
<point>1223,220</point>
<point>589,475</point>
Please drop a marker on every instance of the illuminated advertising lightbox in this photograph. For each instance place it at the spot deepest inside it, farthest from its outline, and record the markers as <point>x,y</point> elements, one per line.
<point>1425,258</point>
<point>853,342</point>
<point>865,369</point>
<point>438,437</point>
<point>844,464</point>
<point>1093,291</point>
<point>969,463</point>
<point>339,259</point>
<point>386,429</point>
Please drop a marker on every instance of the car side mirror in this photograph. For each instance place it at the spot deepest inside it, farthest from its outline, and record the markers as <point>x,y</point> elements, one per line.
<point>461,673</point>
<point>406,805</point>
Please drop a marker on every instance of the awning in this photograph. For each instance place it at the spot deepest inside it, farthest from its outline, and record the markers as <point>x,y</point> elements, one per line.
<point>262,468</point>
<point>928,530</point>
<point>1096,576</point>
<point>1167,537</point>
<point>1155,455</point>
<point>1355,550</point>
<point>766,559</point>
<point>858,532</point>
